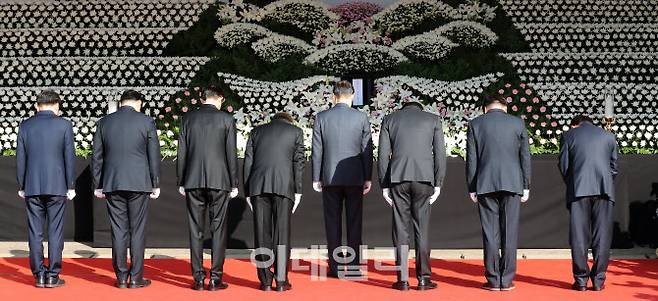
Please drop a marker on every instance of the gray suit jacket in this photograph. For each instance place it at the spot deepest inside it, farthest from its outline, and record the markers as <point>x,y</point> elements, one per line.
<point>497,154</point>
<point>274,160</point>
<point>588,162</point>
<point>342,147</point>
<point>411,148</point>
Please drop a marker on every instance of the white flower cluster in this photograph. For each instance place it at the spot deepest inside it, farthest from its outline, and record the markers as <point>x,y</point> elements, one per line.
<point>277,47</point>
<point>556,37</point>
<point>308,16</point>
<point>235,34</point>
<point>468,33</point>
<point>581,11</point>
<point>357,32</point>
<point>235,11</point>
<point>83,131</point>
<point>85,41</point>
<point>100,14</point>
<point>348,58</point>
<point>475,10</point>
<point>99,71</point>
<point>585,67</point>
<point>404,15</point>
<point>430,46</point>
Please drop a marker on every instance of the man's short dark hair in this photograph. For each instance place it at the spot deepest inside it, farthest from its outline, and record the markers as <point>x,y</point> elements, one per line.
<point>285,116</point>
<point>343,88</point>
<point>48,97</point>
<point>489,100</point>
<point>213,92</point>
<point>131,95</point>
<point>578,120</point>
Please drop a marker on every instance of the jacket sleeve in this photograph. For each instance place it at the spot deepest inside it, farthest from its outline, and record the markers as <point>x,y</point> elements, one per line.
<point>69,156</point>
<point>181,156</point>
<point>526,158</point>
<point>153,146</point>
<point>384,155</point>
<point>298,161</point>
<point>614,156</point>
<point>471,160</point>
<point>97,157</point>
<point>232,153</point>
<point>316,149</point>
<point>248,163</point>
<point>564,162</point>
<point>21,160</point>
<point>366,149</point>
<point>439,154</point>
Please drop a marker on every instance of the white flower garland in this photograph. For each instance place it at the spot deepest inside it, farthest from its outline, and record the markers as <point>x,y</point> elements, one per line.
<point>355,57</point>
<point>430,46</point>
<point>468,33</point>
<point>307,15</point>
<point>277,47</point>
<point>235,34</point>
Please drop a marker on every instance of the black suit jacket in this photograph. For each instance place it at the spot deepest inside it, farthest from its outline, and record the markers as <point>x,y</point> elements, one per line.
<point>411,148</point>
<point>207,153</point>
<point>588,162</point>
<point>342,147</point>
<point>45,155</point>
<point>274,160</point>
<point>497,154</point>
<point>126,152</point>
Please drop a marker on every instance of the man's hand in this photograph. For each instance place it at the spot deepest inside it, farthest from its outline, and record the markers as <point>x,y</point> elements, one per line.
<point>181,190</point>
<point>251,207</point>
<point>526,195</point>
<point>70,194</point>
<point>474,197</point>
<point>21,194</point>
<point>366,187</point>
<point>98,193</point>
<point>435,196</point>
<point>234,193</point>
<point>317,186</point>
<point>155,193</point>
<point>387,196</point>
<point>298,199</point>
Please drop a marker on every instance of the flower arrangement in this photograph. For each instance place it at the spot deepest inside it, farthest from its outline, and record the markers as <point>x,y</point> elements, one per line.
<point>347,58</point>
<point>305,15</point>
<point>428,46</point>
<point>277,47</point>
<point>355,11</point>
<point>404,15</point>
<point>234,34</point>
<point>357,32</point>
<point>468,33</point>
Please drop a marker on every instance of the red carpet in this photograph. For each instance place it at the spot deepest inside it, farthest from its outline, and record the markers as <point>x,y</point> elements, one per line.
<point>537,280</point>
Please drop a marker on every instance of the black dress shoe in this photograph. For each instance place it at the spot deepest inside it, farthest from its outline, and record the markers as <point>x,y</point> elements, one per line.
<point>578,287</point>
<point>598,288</point>
<point>265,288</point>
<point>283,286</point>
<point>40,281</point>
<point>139,283</point>
<point>490,287</point>
<point>426,284</point>
<point>53,282</point>
<point>400,286</point>
<point>216,284</point>
<point>198,285</point>
<point>121,283</point>
<point>332,274</point>
<point>507,287</point>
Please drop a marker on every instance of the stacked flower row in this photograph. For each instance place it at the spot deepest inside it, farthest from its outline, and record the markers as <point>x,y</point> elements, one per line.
<point>99,71</point>
<point>100,14</point>
<point>586,67</point>
<point>83,133</point>
<point>85,42</point>
<point>581,11</point>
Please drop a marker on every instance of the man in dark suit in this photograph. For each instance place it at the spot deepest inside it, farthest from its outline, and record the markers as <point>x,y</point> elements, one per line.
<point>208,178</point>
<point>588,163</point>
<point>273,170</point>
<point>342,171</point>
<point>45,172</point>
<point>498,175</point>
<point>126,168</point>
<point>412,165</point>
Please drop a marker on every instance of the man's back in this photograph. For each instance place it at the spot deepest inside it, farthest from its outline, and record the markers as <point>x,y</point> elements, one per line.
<point>588,161</point>
<point>126,152</point>
<point>207,156</point>
<point>45,155</point>
<point>498,155</point>
<point>342,147</point>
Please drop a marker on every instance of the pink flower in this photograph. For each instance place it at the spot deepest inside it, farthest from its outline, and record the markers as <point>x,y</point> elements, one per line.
<point>524,117</point>
<point>522,99</point>
<point>542,109</point>
<point>178,100</point>
<point>229,109</point>
<point>522,85</point>
<point>193,101</point>
<point>501,91</point>
<point>168,109</point>
<point>535,100</point>
<point>515,91</point>
<point>528,92</point>
<point>187,93</point>
<point>509,99</point>
<point>535,116</point>
<point>508,85</point>
<point>175,117</point>
<point>543,124</point>
<point>160,116</point>
<point>548,116</point>
<point>515,108</point>
<point>184,109</point>
<point>532,124</point>
<point>529,109</point>
<point>554,124</point>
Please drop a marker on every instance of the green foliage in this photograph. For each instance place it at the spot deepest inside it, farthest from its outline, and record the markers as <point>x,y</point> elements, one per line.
<point>199,39</point>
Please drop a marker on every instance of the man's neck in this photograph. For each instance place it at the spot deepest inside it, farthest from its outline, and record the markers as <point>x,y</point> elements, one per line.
<point>347,102</point>
<point>217,105</point>
<point>493,108</point>
<point>131,105</point>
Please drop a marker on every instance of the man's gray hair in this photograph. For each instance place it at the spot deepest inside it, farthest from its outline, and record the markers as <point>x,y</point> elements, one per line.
<point>343,88</point>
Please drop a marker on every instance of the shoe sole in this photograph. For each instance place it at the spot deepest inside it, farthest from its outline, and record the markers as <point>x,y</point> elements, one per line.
<point>507,289</point>
<point>425,288</point>
<point>491,289</point>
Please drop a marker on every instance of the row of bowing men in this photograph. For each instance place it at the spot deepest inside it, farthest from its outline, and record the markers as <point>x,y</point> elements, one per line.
<point>412,164</point>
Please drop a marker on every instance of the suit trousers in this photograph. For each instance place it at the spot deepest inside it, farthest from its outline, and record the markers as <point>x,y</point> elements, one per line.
<point>591,221</point>
<point>334,198</point>
<point>128,213</point>
<point>41,211</point>
<point>411,205</point>
<point>499,215</point>
<point>212,203</point>
<point>272,216</point>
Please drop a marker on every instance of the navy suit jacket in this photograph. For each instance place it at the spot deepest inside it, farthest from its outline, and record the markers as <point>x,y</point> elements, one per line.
<point>45,155</point>
<point>588,162</point>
